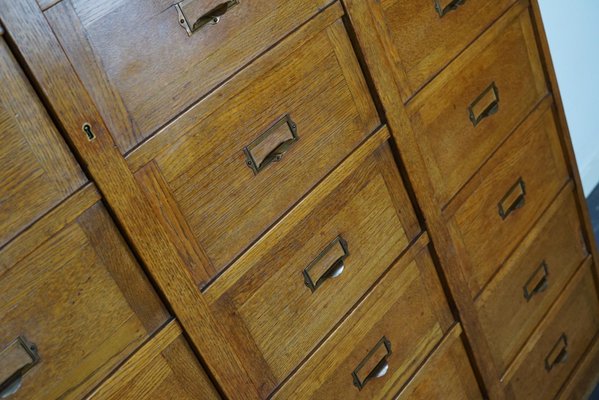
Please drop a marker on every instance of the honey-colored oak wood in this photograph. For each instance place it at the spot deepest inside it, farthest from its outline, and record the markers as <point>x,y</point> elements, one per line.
<point>199,177</point>
<point>546,361</point>
<point>375,45</point>
<point>585,378</point>
<point>252,166</point>
<point>72,107</point>
<point>452,145</point>
<point>423,39</point>
<point>447,374</point>
<point>133,57</point>
<point>410,290</point>
<point>164,368</point>
<point>506,196</point>
<point>79,296</point>
<point>273,316</point>
<point>532,278</point>
<point>38,171</point>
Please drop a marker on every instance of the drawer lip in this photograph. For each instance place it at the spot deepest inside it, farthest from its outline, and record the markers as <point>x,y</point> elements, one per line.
<point>583,275</point>
<point>450,329</point>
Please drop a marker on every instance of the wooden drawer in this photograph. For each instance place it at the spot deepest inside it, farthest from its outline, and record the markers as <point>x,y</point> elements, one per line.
<point>500,77</point>
<point>519,296</point>
<point>426,35</point>
<point>141,67</point>
<point>74,294</point>
<point>447,374</point>
<point>38,171</point>
<point>164,368</point>
<point>284,295</point>
<point>372,354</point>
<point>196,170</point>
<point>563,337</point>
<point>505,198</point>
<point>585,378</point>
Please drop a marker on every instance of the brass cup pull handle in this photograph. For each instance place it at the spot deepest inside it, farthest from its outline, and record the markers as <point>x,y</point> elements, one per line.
<point>485,105</point>
<point>15,360</point>
<point>538,282</point>
<point>186,8</point>
<point>270,146</point>
<point>453,5</point>
<point>514,199</point>
<point>330,263</point>
<point>558,354</point>
<point>375,365</point>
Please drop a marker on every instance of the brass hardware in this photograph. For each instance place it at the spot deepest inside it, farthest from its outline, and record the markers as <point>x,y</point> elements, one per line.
<point>513,200</point>
<point>212,17</point>
<point>452,6</point>
<point>489,96</point>
<point>558,354</point>
<point>329,264</point>
<point>260,153</point>
<point>15,360</point>
<point>536,285</point>
<point>88,132</point>
<point>379,354</point>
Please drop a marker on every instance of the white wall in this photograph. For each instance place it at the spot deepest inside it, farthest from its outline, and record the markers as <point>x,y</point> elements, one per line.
<point>573,32</point>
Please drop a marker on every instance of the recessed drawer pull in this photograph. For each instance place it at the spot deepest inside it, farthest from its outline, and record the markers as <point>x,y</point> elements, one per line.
<point>375,365</point>
<point>271,145</point>
<point>451,6</point>
<point>485,105</point>
<point>559,353</point>
<point>329,264</point>
<point>15,360</point>
<point>212,17</point>
<point>513,200</point>
<point>538,282</point>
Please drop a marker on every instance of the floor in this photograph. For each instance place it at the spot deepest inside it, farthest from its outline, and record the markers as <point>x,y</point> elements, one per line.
<point>594,208</point>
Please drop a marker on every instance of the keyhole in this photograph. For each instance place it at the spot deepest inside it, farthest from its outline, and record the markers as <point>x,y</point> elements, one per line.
<point>88,132</point>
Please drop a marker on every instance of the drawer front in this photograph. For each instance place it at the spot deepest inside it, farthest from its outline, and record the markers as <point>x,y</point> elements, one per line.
<point>447,374</point>
<point>533,277</point>
<point>508,195</point>
<point>427,35</point>
<point>372,354</point>
<point>164,368</point>
<point>74,303</point>
<point>472,106</point>
<point>38,171</point>
<point>224,177</point>
<point>289,290</point>
<point>560,341</point>
<point>142,68</point>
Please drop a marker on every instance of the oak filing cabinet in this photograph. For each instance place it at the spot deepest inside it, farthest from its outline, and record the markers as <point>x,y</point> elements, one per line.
<point>289,199</point>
